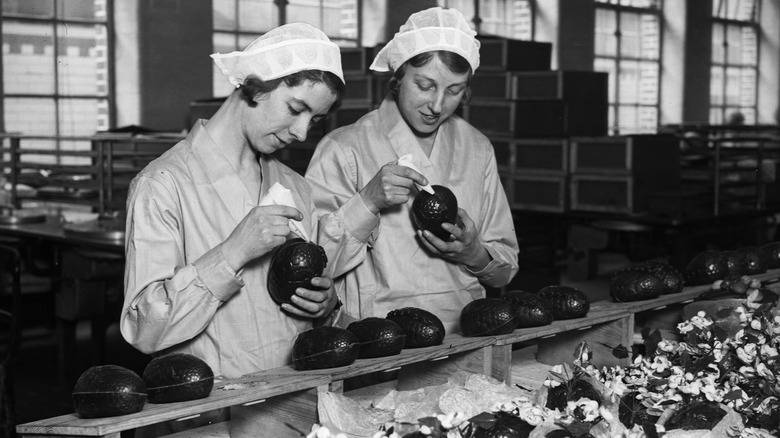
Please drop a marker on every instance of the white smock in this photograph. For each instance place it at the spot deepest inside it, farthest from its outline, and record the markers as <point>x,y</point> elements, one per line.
<point>180,293</point>
<point>392,269</point>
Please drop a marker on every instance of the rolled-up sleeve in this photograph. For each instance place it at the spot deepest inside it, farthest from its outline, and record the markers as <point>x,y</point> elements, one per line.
<point>168,300</point>
<point>347,227</point>
<point>496,231</point>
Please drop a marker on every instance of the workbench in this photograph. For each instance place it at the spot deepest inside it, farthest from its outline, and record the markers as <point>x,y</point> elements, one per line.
<point>607,325</point>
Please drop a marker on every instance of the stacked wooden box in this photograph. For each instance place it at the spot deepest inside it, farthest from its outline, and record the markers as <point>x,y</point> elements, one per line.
<point>529,111</point>
<point>618,174</point>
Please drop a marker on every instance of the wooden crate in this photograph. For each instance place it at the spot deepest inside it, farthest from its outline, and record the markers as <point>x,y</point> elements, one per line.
<point>537,192</point>
<point>618,193</point>
<point>491,85</point>
<point>537,119</point>
<point>569,86</point>
<point>498,53</point>
<point>538,156</point>
<point>629,154</point>
<point>546,156</point>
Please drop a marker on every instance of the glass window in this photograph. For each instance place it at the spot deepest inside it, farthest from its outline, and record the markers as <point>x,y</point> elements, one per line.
<point>628,47</point>
<point>237,23</point>
<point>505,18</point>
<point>734,68</point>
<point>56,74</point>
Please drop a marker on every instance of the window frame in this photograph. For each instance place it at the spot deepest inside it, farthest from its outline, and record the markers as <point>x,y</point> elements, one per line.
<point>477,20</point>
<point>237,34</point>
<point>727,23</point>
<point>56,21</point>
<point>614,99</point>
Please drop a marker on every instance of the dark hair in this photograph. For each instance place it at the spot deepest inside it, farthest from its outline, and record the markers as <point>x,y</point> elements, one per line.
<point>254,86</point>
<point>454,62</point>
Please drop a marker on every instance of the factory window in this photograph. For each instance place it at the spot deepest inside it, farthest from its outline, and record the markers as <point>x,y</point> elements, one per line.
<point>628,47</point>
<point>504,18</point>
<point>238,22</point>
<point>56,71</point>
<point>734,72</point>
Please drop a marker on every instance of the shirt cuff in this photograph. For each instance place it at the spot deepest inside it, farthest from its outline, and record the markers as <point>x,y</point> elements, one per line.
<point>220,279</point>
<point>357,218</point>
<point>491,268</point>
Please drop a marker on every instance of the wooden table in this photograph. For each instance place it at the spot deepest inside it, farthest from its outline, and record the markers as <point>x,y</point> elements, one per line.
<point>68,244</point>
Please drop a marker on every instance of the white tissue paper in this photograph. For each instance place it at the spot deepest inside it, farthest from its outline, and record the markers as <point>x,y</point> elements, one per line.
<point>408,161</point>
<point>281,195</point>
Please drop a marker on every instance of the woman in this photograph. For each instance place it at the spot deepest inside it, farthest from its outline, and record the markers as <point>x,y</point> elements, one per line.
<point>198,241</point>
<point>355,173</point>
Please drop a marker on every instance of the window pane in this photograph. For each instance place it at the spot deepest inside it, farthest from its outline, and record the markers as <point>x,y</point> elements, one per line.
<point>651,37</point>
<point>506,18</point>
<point>733,86</point>
<point>606,24</point>
<point>79,116</point>
<point>81,10</point>
<point>304,11</point>
<point>30,116</point>
<point>630,35</point>
<point>608,66</point>
<point>747,87</point>
<point>28,58</point>
<point>628,82</point>
<point>648,83</point>
<point>257,15</point>
<point>749,47</point>
<point>648,119</point>
<point>743,10</point>
<point>29,8</point>
<point>716,116</point>
<point>716,86</point>
<point>627,119</point>
<point>82,60</point>
<point>734,41</point>
<point>718,51</point>
<point>224,14</point>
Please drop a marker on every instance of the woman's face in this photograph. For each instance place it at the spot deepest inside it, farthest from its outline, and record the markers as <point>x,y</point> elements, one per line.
<point>429,94</point>
<point>285,115</point>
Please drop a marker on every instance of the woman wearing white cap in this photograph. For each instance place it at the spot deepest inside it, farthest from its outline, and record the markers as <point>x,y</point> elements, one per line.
<point>198,236</point>
<point>355,173</point>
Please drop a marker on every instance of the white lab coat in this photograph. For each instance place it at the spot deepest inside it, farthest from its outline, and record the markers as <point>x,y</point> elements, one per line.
<point>392,269</point>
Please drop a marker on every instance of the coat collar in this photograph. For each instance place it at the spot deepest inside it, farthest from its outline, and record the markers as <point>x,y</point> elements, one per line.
<point>221,173</point>
<point>403,141</point>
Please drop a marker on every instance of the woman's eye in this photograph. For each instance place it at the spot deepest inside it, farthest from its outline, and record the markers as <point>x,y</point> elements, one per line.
<point>455,91</point>
<point>293,111</point>
<point>425,87</point>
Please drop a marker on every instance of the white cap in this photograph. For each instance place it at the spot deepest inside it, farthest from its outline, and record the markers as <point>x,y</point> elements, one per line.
<point>285,50</point>
<point>426,31</point>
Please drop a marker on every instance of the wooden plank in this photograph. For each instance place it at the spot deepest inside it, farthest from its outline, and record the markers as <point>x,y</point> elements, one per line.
<point>226,393</point>
<point>452,344</point>
<point>594,317</point>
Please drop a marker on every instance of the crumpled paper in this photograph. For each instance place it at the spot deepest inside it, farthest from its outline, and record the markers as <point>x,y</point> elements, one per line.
<point>281,195</point>
<point>464,392</point>
<point>339,412</point>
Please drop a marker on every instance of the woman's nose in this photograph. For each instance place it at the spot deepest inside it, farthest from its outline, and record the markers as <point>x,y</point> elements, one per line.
<point>436,103</point>
<point>300,129</point>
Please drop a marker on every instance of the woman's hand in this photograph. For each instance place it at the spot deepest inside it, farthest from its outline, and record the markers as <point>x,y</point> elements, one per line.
<point>261,230</point>
<point>316,302</point>
<point>464,248</point>
<point>390,186</point>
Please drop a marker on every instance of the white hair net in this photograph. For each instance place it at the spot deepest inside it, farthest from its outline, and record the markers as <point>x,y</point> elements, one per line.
<point>429,30</point>
<point>282,51</point>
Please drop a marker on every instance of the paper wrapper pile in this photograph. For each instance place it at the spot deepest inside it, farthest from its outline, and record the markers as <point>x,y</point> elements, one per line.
<point>470,394</point>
